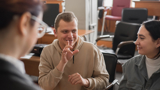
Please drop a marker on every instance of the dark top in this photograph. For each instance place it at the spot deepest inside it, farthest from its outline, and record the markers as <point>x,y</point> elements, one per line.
<point>135,76</point>
<point>12,79</point>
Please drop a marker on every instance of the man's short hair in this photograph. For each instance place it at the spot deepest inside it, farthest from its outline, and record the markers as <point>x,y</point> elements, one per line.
<point>66,16</point>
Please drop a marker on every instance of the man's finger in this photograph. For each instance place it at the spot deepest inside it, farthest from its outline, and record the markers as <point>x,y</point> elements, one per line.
<point>75,80</point>
<point>70,43</point>
<point>75,51</point>
<point>68,51</point>
<point>78,82</point>
<point>68,46</point>
<point>72,78</point>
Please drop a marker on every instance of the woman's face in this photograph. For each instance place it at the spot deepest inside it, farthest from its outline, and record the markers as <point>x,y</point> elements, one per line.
<point>145,44</point>
<point>32,36</point>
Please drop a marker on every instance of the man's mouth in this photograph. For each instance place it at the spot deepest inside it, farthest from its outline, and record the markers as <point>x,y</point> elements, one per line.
<point>70,42</point>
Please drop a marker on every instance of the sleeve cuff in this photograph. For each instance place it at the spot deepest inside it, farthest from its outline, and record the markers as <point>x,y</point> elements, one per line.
<point>90,83</point>
<point>57,73</point>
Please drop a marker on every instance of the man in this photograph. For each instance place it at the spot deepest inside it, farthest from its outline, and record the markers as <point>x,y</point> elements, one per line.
<point>70,63</point>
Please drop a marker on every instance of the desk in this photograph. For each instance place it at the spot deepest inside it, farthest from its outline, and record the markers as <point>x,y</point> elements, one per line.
<point>31,65</point>
<point>152,6</point>
<point>48,38</point>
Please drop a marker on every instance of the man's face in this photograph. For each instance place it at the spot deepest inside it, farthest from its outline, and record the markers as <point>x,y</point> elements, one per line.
<point>67,31</point>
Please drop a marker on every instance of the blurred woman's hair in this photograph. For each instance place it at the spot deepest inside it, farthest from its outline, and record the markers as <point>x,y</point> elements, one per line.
<point>10,8</point>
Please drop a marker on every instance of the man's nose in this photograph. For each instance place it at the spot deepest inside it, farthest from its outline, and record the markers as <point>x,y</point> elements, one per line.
<point>70,34</point>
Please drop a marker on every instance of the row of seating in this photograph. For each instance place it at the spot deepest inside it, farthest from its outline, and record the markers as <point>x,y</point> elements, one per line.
<point>131,15</point>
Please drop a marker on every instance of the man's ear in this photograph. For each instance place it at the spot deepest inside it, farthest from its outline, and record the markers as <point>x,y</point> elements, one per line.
<point>158,42</point>
<point>24,23</point>
<point>55,32</point>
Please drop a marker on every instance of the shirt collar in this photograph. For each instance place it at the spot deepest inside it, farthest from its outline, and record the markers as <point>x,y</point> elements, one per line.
<point>140,63</point>
<point>153,62</point>
<point>17,63</point>
<point>142,66</point>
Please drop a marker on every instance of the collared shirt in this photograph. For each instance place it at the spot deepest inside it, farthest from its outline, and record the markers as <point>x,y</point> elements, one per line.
<point>17,63</point>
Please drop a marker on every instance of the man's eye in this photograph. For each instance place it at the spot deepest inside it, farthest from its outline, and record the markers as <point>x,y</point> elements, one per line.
<point>65,31</point>
<point>74,31</point>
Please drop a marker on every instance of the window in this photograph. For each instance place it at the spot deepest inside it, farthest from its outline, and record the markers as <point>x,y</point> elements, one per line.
<point>109,3</point>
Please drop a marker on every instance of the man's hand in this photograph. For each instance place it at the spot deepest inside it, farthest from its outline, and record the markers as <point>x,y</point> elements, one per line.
<point>67,54</point>
<point>76,78</point>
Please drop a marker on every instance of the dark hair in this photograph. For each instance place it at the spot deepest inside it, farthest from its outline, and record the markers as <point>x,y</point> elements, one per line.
<point>153,27</point>
<point>10,8</point>
<point>66,16</point>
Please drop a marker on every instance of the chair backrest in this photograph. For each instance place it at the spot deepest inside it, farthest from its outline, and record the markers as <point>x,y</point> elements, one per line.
<point>118,5</point>
<point>50,14</point>
<point>134,15</point>
<point>125,32</point>
<point>111,62</point>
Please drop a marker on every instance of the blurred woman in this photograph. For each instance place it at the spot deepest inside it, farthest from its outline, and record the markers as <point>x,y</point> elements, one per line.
<point>143,71</point>
<point>19,22</point>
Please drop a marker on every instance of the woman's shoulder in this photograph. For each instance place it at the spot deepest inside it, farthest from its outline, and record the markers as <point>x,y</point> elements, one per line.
<point>134,60</point>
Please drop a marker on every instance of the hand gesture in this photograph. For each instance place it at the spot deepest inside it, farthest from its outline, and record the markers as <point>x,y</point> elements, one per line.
<point>76,78</point>
<point>67,54</point>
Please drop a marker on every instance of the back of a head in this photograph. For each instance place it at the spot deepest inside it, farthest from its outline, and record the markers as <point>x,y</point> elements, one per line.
<point>153,27</point>
<point>65,16</point>
<point>10,8</point>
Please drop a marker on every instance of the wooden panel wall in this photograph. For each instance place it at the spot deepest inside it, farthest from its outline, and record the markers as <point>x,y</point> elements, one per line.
<point>56,2</point>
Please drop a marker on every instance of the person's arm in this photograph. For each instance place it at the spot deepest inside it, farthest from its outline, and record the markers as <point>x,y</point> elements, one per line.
<point>123,81</point>
<point>49,76</point>
<point>76,78</point>
<point>100,77</point>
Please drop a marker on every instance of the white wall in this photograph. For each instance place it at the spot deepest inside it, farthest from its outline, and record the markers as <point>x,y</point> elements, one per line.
<point>86,12</point>
<point>78,7</point>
